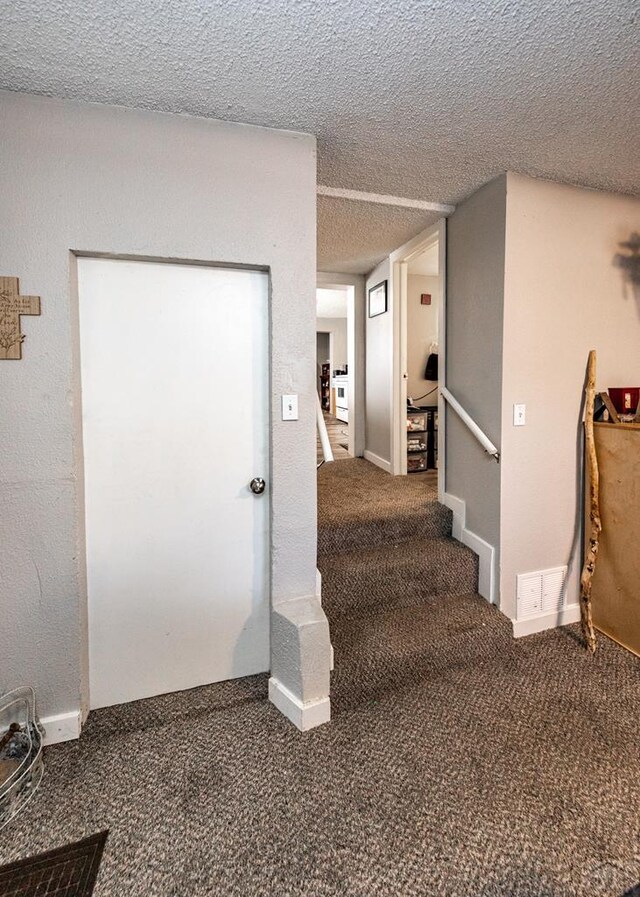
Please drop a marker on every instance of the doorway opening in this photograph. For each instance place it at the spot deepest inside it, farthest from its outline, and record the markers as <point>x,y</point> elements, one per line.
<point>335,368</point>
<point>418,273</point>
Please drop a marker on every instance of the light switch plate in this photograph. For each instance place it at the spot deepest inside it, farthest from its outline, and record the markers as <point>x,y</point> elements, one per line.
<point>519,415</point>
<point>290,407</point>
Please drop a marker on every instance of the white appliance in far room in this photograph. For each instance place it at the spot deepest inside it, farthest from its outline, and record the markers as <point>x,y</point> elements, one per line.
<point>341,386</point>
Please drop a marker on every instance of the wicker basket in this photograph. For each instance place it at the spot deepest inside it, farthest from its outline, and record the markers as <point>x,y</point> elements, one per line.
<point>22,755</point>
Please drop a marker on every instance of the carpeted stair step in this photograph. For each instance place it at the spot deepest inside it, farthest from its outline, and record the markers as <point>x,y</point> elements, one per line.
<point>361,506</point>
<point>381,653</point>
<point>389,566</point>
<point>349,534</point>
<point>397,575</point>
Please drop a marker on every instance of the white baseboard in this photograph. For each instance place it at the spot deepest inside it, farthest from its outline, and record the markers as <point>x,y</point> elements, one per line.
<point>377,460</point>
<point>486,553</point>
<point>61,727</point>
<point>531,625</point>
<point>304,716</point>
<point>459,508</point>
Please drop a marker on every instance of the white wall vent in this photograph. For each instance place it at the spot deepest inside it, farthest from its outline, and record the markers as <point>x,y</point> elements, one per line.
<point>541,592</point>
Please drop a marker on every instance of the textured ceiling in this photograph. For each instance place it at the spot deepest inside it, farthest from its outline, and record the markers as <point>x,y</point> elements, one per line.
<point>420,98</point>
<point>354,236</point>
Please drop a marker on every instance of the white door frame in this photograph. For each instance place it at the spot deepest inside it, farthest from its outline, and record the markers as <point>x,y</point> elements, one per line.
<point>398,273</point>
<point>74,255</point>
<point>355,350</point>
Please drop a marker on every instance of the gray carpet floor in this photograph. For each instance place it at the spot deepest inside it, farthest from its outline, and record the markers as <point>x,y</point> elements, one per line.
<point>458,762</point>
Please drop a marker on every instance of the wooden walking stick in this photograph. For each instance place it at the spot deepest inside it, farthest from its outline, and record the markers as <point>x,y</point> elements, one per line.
<point>595,524</point>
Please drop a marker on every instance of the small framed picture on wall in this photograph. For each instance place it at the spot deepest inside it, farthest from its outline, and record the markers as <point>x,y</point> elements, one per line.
<point>378,299</point>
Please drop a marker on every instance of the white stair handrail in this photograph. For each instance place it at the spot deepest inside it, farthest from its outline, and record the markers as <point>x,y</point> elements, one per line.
<point>469,422</point>
<point>322,432</point>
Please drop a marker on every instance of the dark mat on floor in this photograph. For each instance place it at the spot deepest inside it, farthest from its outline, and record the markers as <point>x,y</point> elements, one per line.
<point>69,871</point>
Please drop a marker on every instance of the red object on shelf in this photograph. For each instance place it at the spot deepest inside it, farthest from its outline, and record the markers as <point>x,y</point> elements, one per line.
<point>625,398</point>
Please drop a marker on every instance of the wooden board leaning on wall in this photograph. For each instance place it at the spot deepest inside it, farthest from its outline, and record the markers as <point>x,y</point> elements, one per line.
<point>615,592</point>
<point>609,595</point>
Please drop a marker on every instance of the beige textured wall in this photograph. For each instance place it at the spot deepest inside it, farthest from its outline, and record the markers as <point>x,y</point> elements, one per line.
<point>475,297</point>
<point>422,330</point>
<point>563,296</point>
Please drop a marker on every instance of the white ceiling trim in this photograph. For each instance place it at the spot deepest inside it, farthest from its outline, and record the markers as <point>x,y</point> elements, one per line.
<point>383,199</point>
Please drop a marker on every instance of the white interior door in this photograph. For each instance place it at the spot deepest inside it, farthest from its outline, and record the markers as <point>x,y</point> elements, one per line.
<point>175,402</point>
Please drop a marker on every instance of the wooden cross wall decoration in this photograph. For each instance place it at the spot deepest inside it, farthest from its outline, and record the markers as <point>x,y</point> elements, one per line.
<point>12,305</point>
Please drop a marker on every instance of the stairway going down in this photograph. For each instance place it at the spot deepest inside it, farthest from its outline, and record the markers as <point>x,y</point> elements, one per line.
<point>395,584</point>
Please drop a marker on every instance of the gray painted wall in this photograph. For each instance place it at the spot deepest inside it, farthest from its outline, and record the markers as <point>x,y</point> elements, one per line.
<point>379,373</point>
<point>475,298</point>
<point>99,179</point>
<point>532,287</point>
<point>564,295</point>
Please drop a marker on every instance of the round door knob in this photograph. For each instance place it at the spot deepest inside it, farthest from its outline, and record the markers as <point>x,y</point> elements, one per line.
<point>257,485</point>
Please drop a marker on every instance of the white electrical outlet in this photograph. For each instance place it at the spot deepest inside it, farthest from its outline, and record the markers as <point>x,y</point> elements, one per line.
<point>519,415</point>
<point>290,407</point>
